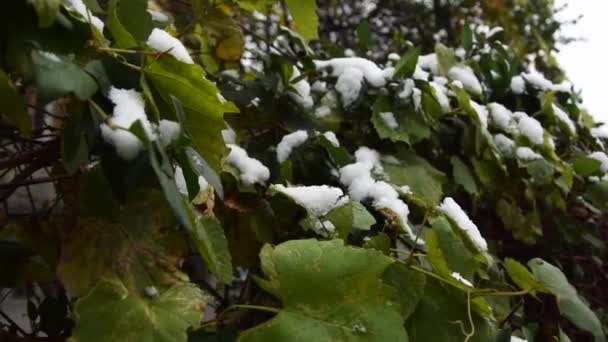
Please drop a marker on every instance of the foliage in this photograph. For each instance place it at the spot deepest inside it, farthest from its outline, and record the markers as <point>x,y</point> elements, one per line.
<point>217,171</point>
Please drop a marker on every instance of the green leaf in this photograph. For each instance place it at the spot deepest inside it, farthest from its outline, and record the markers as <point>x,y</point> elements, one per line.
<point>47,11</point>
<point>524,227</point>
<point>364,35</point>
<point>435,255</point>
<point>102,314</point>
<point>409,285</point>
<point>467,37</point>
<point>74,148</point>
<point>49,68</point>
<point>122,37</point>
<point>209,237</point>
<point>330,292</point>
<point>586,166</point>
<point>164,173</point>
<point>304,13</point>
<point>202,103</point>
<point>255,5</point>
<point>135,18</point>
<point>457,256</point>
<point>570,304</point>
<point>597,194</point>
<point>430,105</point>
<point>442,315</point>
<point>406,66</point>
<point>351,215</point>
<point>463,176</point>
<point>410,129</point>
<point>202,168</point>
<point>12,105</point>
<point>424,180</point>
<point>540,170</point>
<point>520,275</point>
<point>380,242</point>
<point>445,58</point>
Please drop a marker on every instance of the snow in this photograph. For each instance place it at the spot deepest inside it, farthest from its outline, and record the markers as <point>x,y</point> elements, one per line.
<point>527,154</point>
<point>461,279</point>
<point>518,85</point>
<point>505,145</point>
<point>318,199</point>
<point>495,30</point>
<point>405,189</point>
<point>389,120</point>
<point>252,170</point>
<point>161,41</point>
<point>417,97</point>
<point>538,80</point>
<point>302,90</point>
<point>128,108</point>
<point>319,86</point>
<point>530,128</point>
<point>229,135</point>
<point>331,136</point>
<point>79,7</point>
<point>564,117</point>
<point>465,74</point>
<point>288,143</point>
<point>325,225</point>
<point>452,210</point>
<point>180,182</point>
<point>420,74</point>
<point>168,131</point>
<point>361,185</point>
<point>373,75</point>
<point>349,86</point>
<point>408,89</point>
<point>482,113</point>
<point>158,16</point>
<point>600,132</point>
<point>429,62</point>
<point>441,95</point>
<point>322,111</point>
<point>151,291</point>
<point>393,57</point>
<point>602,158</point>
<point>500,116</point>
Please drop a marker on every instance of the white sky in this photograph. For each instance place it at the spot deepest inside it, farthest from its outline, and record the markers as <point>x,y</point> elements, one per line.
<point>586,63</point>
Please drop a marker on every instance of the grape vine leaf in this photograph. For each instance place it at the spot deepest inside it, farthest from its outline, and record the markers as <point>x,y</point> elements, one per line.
<point>304,13</point>
<point>47,11</point>
<point>212,244</point>
<point>348,216</point>
<point>49,68</point>
<point>357,306</point>
<point>103,314</point>
<point>424,180</point>
<point>442,316</point>
<point>570,304</point>
<point>12,106</point>
<point>203,105</point>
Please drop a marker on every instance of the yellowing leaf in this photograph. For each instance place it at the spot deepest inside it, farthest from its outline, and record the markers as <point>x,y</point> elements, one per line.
<point>231,48</point>
<point>304,13</point>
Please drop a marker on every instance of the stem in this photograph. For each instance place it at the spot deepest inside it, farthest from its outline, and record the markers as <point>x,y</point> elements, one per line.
<point>220,316</point>
<point>411,256</point>
<point>496,293</point>
<point>103,114</point>
<point>36,181</point>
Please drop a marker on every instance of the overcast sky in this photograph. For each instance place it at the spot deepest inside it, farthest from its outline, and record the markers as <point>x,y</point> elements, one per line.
<point>586,63</point>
